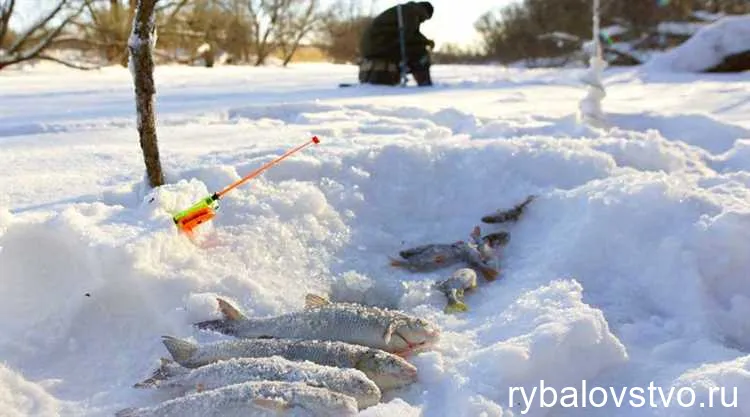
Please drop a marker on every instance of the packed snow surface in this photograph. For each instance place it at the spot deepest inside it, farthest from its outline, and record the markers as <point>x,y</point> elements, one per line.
<point>629,269</point>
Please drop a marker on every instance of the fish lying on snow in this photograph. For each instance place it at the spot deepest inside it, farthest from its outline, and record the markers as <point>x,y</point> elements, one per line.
<point>512,215</point>
<point>348,381</point>
<point>253,399</point>
<point>387,370</point>
<point>462,280</point>
<point>430,257</point>
<point>375,327</point>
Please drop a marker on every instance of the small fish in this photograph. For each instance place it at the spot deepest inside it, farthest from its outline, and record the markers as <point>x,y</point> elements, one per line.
<point>454,287</point>
<point>482,252</point>
<point>488,243</point>
<point>512,215</point>
<point>431,257</point>
<point>253,399</point>
<point>348,381</point>
<point>374,327</point>
<point>496,239</point>
<point>479,261</point>
<point>387,370</point>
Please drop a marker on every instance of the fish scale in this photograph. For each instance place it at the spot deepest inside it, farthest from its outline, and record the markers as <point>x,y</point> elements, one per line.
<point>351,323</point>
<point>385,369</point>
<point>348,381</point>
<point>285,398</point>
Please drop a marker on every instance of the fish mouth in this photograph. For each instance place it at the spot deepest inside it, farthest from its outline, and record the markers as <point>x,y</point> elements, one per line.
<point>414,348</point>
<point>428,340</point>
<point>411,374</point>
<point>407,372</point>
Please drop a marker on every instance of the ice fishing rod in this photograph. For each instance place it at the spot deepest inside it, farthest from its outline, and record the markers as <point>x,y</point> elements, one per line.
<point>205,209</point>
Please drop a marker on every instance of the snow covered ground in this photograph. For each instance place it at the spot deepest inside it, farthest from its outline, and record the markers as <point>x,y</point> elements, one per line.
<point>631,268</point>
<point>708,46</point>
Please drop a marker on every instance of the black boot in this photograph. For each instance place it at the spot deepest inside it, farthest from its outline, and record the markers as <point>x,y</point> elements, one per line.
<point>422,78</point>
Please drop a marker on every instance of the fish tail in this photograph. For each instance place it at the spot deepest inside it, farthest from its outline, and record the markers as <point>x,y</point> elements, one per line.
<point>161,373</point>
<point>181,350</point>
<point>455,306</point>
<point>127,412</point>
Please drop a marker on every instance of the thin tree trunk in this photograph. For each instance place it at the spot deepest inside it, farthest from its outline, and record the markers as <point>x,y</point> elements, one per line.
<point>141,46</point>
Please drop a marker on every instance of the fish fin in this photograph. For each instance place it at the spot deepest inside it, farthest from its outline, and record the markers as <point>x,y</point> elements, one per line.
<point>159,375</point>
<point>389,332</point>
<point>456,307</point>
<point>181,350</point>
<point>229,311</point>
<point>271,404</point>
<point>126,412</point>
<point>490,274</point>
<point>313,300</point>
<point>398,263</point>
<point>476,234</point>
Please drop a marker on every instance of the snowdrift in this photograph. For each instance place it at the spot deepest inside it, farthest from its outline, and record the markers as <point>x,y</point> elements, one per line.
<point>629,268</point>
<point>708,47</point>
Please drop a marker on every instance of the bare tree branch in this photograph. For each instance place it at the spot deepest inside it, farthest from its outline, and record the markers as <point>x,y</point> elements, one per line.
<point>67,63</point>
<point>342,26</point>
<point>178,5</point>
<point>92,13</point>
<point>6,11</point>
<point>41,23</point>
<point>16,55</point>
<point>297,24</point>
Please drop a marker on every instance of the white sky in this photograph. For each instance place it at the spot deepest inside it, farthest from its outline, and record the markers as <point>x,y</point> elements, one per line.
<point>453,20</point>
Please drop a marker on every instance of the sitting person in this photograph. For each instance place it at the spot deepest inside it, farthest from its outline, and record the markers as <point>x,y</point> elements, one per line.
<point>380,46</point>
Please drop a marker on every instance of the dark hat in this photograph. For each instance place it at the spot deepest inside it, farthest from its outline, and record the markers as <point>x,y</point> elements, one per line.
<point>428,7</point>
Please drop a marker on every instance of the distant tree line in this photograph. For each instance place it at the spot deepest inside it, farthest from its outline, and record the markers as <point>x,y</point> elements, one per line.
<point>205,32</point>
<point>552,32</point>
<point>188,31</point>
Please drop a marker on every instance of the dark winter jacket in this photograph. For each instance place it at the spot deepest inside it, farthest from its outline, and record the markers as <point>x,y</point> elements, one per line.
<point>381,39</point>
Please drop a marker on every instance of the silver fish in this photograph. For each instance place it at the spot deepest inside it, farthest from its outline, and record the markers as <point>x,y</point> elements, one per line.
<point>348,381</point>
<point>374,327</point>
<point>267,398</point>
<point>387,370</point>
<point>454,287</point>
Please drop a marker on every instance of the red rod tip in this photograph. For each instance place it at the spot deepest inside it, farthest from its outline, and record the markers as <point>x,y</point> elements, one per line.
<point>315,140</point>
